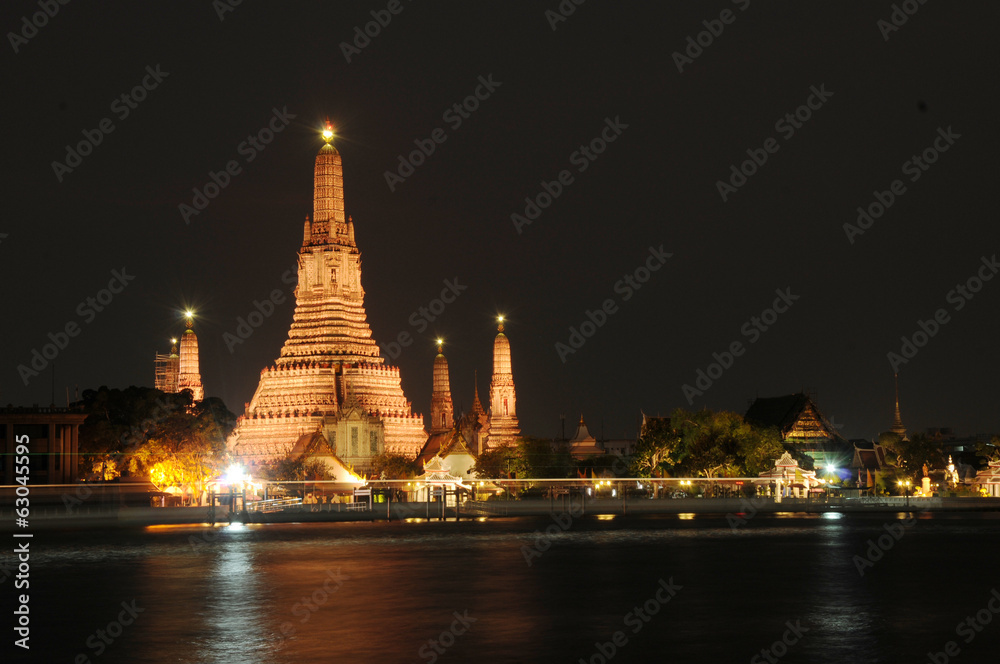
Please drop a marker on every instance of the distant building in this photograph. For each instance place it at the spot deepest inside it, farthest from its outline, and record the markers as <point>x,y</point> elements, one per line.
<point>189,366</point>
<point>167,370</point>
<point>583,445</point>
<point>803,427</point>
<point>502,427</point>
<point>868,461</point>
<point>53,443</point>
<point>176,372</point>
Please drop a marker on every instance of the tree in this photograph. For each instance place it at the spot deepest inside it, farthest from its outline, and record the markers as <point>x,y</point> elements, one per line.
<point>530,458</point>
<point>495,463</point>
<point>990,450</point>
<point>759,448</point>
<point>654,453</point>
<point>919,451</point>
<point>145,432</point>
<point>394,466</point>
<point>540,458</point>
<point>709,442</point>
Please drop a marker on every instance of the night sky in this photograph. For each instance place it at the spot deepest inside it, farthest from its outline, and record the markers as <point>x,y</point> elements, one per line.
<point>656,185</point>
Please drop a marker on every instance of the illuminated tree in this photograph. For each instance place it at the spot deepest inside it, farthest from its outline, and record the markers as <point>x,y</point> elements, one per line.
<point>148,433</point>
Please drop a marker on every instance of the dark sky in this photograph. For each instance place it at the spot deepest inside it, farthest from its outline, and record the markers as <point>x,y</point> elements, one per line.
<point>656,184</point>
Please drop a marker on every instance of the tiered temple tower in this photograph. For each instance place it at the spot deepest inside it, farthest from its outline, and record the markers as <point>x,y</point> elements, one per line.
<point>188,373</point>
<point>442,410</point>
<point>330,376</point>
<point>503,425</point>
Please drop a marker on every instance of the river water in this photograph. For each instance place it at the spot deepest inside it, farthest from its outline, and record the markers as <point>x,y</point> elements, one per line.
<point>667,589</point>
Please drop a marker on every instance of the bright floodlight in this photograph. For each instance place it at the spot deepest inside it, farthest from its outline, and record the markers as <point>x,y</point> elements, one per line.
<point>173,341</point>
<point>234,474</point>
<point>499,319</point>
<point>439,342</point>
<point>189,314</point>
<point>328,132</point>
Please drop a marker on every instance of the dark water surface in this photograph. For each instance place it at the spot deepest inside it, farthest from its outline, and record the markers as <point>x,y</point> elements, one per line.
<point>376,592</point>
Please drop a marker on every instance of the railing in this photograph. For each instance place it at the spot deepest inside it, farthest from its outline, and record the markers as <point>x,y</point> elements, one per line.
<point>269,506</point>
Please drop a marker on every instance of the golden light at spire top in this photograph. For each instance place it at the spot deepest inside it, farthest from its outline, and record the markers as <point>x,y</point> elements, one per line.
<point>328,132</point>
<point>440,344</point>
<point>500,323</point>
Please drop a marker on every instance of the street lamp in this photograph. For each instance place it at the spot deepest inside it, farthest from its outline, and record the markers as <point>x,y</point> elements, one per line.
<point>906,491</point>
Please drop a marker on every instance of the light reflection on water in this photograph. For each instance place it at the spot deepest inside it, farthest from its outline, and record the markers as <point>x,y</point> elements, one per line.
<point>377,592</point>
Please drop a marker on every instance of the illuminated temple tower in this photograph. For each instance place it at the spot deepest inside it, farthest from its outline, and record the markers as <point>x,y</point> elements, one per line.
<point>503,426</point>
<point>330,378</point>
<point>188,372</point>
<point>442,410</point>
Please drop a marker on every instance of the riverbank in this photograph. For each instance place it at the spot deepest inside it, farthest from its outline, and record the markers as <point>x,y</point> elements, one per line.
<point>135,517</point>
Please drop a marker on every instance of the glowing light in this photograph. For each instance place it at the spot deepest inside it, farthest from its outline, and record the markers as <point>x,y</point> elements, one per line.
<point>173,341</point>
<point>328,132</point>
<point>234,475</point>
<point>499,319</point>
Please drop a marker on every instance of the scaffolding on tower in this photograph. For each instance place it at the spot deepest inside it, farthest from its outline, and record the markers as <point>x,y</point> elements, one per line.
<point>167,370</point>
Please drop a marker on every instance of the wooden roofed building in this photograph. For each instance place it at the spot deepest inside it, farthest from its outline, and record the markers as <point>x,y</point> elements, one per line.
<point>803,427</point>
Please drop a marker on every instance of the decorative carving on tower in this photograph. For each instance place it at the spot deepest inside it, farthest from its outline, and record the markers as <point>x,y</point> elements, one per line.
<point>442,410</point>
<point>330,376</point>
<point>503,425</point>
<point>188,372</point>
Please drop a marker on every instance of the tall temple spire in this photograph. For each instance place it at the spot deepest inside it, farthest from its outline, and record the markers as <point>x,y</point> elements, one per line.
<point>189,373</point>
<point>504,428</point>
<point>897,420</point>
<point>328,221</point>
<point>330,378</point>
<point>442,410</point>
